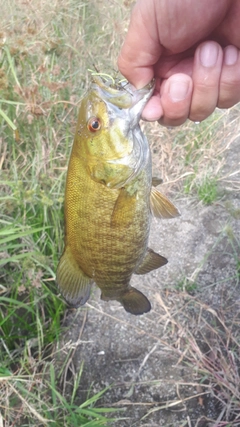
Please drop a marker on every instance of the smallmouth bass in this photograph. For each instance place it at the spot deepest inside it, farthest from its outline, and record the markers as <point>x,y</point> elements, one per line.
<point>109,199</point>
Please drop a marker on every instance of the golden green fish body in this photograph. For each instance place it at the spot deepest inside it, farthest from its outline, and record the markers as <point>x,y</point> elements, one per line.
<point>106,229</point>
<point>107,200</point>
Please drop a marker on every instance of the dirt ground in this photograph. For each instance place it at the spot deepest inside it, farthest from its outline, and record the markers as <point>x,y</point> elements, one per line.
<point>152,361</point>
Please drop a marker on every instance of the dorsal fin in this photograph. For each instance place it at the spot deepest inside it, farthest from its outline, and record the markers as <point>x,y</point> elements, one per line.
<point>156,181</point>
<point>161,207</point>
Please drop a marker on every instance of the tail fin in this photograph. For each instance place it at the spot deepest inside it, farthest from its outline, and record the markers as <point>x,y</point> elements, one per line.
<point>135,302</point>
<point>73,283</point>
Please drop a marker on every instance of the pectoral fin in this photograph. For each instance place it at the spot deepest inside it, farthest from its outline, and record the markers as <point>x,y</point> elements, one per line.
<point>152,261</point>
<point>73,283</point>
<point>124,208</point>
<point>161,207</point>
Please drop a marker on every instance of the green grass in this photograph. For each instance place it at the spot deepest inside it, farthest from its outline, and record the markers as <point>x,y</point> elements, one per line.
<point>187,286</point>
<point>206,188</point>
<point>42,403</point>
<point>190,158</point>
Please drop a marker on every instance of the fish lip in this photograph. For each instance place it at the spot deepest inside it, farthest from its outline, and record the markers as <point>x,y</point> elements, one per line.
<point>140,94</point>
<point>123,95</point>
<point>139,100</point>
<point>124,101</point>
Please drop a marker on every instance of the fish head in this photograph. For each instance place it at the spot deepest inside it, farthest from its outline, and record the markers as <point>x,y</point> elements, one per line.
<point>108,136</point>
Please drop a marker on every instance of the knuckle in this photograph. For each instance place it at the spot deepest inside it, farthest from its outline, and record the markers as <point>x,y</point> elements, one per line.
<point>198,115</point>
<point>166,121</point>
<point>229,94</point>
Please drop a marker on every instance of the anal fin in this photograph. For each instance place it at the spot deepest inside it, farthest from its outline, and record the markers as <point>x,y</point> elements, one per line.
<point>151,261</point>
<point>161,207</point>
<point>72,282</point>
<point>135,302</point>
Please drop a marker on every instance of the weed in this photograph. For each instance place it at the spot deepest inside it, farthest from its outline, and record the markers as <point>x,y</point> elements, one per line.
<point>187,285</point>
<point>205,188</point>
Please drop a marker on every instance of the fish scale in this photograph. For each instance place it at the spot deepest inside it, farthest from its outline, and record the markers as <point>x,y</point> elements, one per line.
<point>103,248</point>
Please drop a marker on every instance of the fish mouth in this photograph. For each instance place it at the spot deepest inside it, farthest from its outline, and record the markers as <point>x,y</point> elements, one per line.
<point>123,94</point>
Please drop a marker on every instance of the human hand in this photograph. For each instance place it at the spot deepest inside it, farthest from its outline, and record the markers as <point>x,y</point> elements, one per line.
<point>191,48</point>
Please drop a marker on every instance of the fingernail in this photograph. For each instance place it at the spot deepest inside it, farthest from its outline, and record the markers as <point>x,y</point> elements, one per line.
<point>209,54</point>
<point>178,90</point>
<point>230,55</point>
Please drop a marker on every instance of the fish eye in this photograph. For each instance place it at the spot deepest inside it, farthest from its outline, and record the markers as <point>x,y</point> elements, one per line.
<point>94,124</point>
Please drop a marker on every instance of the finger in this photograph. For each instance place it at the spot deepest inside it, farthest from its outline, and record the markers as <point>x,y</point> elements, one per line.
<point>153,111</point>
<point>176,93</point>
<point>206,78</point>
<point>142,48</point>
<point>229,93</point>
